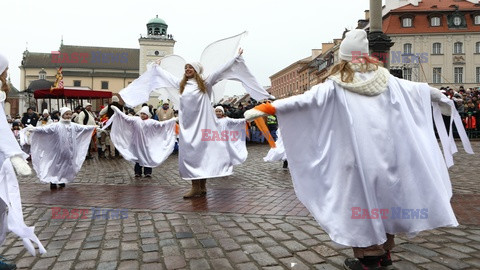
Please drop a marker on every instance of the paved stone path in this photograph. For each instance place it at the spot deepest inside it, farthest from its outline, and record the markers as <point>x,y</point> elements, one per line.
<point>251,220</point>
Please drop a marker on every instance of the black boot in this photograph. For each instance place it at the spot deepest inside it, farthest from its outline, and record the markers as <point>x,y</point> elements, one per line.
<point>365,263</point>
<point>62,185</point>
<point>53,186</point>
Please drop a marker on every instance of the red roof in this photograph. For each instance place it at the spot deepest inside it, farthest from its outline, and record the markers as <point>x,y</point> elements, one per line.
<point>71,93</point>
<point>392,23</point>
<point>442,5</point>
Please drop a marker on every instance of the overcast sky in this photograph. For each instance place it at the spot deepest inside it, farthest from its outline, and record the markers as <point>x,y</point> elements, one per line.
<point>279,32</point>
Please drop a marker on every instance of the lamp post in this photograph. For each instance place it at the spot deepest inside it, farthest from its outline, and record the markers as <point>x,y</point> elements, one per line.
<point>379,43</point>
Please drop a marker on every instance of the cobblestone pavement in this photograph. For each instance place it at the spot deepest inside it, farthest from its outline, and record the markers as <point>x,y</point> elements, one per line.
<point>251,220</point>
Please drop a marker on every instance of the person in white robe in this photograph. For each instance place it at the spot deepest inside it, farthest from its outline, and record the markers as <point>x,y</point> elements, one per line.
<point>12,159</point>
<point>58,150</point>
<point>367,164</point>
<point>142,140</point>
<point>198,158</point>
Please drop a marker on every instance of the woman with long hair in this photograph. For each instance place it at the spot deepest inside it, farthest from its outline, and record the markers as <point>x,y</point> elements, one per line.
<point>201,156</point>
<point>367,164</point>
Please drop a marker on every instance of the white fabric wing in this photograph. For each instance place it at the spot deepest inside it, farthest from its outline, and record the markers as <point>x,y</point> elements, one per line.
<point>175,65</point>
<point>215,55</point>
<point>148,142</point>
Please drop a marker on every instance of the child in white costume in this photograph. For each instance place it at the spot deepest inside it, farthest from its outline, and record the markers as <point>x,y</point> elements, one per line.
<point>142,140</point>
<point>58,150</point>
<point>11,156</point>
<point>367,151</point>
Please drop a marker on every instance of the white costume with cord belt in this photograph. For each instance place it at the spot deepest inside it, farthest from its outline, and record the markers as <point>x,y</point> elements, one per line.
<point>59,150</point>
<point>148,142</point>
<point>12,219</point>
<point>369,144</point>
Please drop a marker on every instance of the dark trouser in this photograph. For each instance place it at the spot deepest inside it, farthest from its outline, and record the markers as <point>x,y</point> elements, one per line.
<point>138,169</point>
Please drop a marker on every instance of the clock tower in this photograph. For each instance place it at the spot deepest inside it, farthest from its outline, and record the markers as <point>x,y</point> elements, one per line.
<point>156,44</point>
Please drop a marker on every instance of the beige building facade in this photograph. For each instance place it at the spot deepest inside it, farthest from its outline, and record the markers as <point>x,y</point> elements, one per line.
<point>97,68</point>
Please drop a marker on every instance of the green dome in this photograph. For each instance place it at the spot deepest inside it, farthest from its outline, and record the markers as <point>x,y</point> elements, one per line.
<point>157,21</point>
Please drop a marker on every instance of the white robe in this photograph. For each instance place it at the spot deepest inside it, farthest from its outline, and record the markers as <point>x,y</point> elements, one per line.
<point>198,159</point>
<point>347,150</point>
<point>277,153</point>
<point>232,131</point>
<point>9,191</point>
<point>148,142</point>
<point>59,150</point>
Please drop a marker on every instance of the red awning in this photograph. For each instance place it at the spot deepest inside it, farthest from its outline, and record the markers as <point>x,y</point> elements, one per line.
<point>71,93</point>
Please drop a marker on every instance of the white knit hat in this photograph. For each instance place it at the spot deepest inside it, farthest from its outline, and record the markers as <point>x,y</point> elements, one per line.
<point>115,99</point>
<point>197,66</point>
<point>87,104</point>
<point>3,63</point>
<point>145,110</point>
<point>64,110</point>
<point>220,108</point>
<point>45,111</point>
<point>354,44</point>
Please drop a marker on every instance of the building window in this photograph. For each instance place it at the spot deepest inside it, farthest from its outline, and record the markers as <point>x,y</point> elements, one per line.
<point>437,75</point>
<point>407,74</point>
<point>407,48</point>
<point>104,85</point>
<point>477,19</point>
<point>477,74</point>
<point>458,47</point>
<point>435,21</point>
<point>407,22</point>
<point>458,74</point>
<point>77,83</point>
<point>477,47</point>
<point>437,48</point>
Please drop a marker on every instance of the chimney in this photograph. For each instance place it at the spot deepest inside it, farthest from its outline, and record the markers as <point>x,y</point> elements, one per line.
<point>367,14</point>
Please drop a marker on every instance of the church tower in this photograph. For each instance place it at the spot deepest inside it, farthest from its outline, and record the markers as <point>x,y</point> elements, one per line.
<point>156,44</point>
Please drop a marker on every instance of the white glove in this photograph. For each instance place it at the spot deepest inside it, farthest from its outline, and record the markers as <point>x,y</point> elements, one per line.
<point>442,100</point>
<point>20,165</point>
<point>253,114</point>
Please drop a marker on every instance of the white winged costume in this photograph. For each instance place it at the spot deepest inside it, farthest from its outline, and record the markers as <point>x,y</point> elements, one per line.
<point>59,150</point>
<point>148,142</point>
<point>199,158</point>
